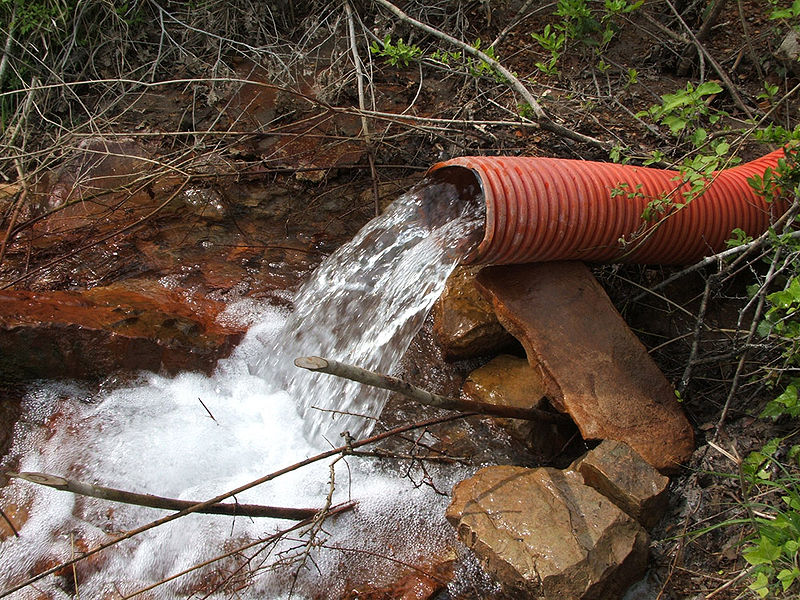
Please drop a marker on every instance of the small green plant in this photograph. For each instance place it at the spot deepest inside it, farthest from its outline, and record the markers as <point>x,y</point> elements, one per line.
<point>553,42</point>
<point>446,57</point>
<point>775,134</point>
<point>481,68</point>
<point>526,111</point>
<point>686,109</point>
<point>784,11</point>
<point>397,54</point>
<point>769,93</point>
<point>770,475</point>
<point>579,21</point>
<point>738,238</point>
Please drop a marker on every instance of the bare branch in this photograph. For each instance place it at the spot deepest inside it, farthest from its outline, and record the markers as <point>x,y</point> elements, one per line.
<point>385,382</point>
<point>151,501</point>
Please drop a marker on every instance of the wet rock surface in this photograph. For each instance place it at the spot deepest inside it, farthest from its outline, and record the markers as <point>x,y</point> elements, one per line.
<point>511,381</point>
<point>422,583</point>
<point>621,475</point>
<point>597,370</point>
<point>465,325</point>
<point>91,333</point>
<point>543,533</point>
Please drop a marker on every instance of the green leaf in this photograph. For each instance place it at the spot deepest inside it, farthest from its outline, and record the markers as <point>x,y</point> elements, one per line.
<point>765,552</point>
<point>699,136</point>
<point>787,577</point>
<point>708,88</point>
<point>675,123</point>
<point>761,585</point>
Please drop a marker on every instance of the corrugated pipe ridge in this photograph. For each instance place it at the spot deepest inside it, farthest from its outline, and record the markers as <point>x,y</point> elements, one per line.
<point>541,209</point>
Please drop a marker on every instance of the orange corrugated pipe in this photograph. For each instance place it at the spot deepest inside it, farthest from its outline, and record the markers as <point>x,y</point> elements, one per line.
<point>541,209</point>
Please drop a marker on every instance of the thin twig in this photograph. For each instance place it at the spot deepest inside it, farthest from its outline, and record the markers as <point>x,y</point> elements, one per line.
<point>734,92</point>
<point>701,316</point>
<point>9,42</point>
<point>151,501</point>
<point>705,30</point>
<point>333,512</point>
<point>744,250</point>
<point>23,194</point>
<point>362,106</point>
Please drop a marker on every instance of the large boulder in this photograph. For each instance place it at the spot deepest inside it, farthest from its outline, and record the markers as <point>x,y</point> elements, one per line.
<point>597,370</point>
<point>543,533</point>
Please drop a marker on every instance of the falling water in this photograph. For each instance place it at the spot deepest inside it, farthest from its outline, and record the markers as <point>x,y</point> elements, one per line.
<point>366,302</point>
<point>193,437</point>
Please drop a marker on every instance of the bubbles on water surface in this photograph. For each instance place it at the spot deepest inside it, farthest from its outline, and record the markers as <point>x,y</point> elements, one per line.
<point>193,437</point>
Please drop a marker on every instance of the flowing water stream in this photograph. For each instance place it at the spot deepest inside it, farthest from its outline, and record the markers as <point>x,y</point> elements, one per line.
<point>193,437</point>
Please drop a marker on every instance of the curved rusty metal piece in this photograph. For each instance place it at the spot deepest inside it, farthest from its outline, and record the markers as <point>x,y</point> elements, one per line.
<point>542,209</point>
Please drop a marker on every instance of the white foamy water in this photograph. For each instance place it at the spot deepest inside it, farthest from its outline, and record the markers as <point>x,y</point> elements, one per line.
<point>156,436</point>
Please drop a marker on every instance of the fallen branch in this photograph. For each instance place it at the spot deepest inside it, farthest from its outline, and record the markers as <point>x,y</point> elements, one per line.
<point>385,382</point>
<point>150,501</point>
<point>238,550</point>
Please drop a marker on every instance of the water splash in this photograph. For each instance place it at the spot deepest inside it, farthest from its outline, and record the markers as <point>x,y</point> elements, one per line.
<point>156,436</point>
<point>368,300</point>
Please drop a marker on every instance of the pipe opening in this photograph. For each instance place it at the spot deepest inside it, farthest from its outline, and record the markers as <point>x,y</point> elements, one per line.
<point>452,191</point>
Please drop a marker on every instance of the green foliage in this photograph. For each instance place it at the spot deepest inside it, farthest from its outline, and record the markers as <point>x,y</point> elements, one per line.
<point>397,54</point>
<point>481,68</point>
<point>476,68</point>
<point>36,15</point>
<point>686,109</point>
<point>775,134</point>
<point>553,42</point>
<point>769,93</point>
<point>526,111</point>
<point>446,57</point>
<point>738,238</point>
<point>771,473</point>
<point>580,22</point>
<point>769,477</point>
<point>784,11</point>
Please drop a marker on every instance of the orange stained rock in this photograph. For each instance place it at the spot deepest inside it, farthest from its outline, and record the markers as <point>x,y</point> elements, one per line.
<point>596,369</point>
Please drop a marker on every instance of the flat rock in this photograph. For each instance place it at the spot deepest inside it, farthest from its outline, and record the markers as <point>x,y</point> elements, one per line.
<point>622,476</point>
<point>543,533</point>
<point>464,323</point>
<point>597,370</point>
<point>91,333</point>
<point>511,381</point>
